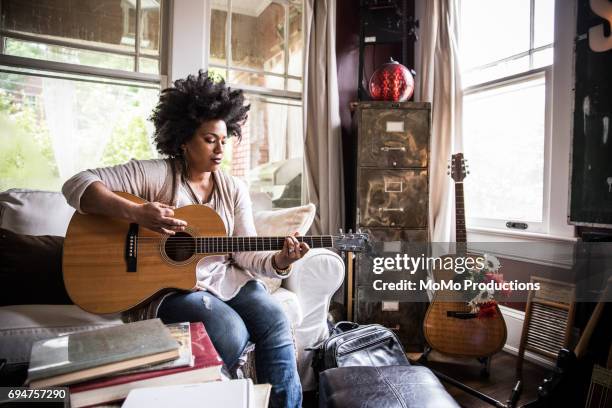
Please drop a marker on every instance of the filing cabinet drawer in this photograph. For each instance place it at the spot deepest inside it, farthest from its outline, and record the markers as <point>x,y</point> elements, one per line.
<point>404,318</point>
<point>397,234</point>
<point>394,138</point>
<point>392,198</point>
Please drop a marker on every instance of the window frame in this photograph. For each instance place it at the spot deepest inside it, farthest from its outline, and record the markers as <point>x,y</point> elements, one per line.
<point>137,78</point>
<point>229,66</point>
<point>498,223</point>
<point>477,225</point>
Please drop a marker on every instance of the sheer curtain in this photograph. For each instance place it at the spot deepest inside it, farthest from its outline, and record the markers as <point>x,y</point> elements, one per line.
<point>323,176</point>
<point>439,82</point>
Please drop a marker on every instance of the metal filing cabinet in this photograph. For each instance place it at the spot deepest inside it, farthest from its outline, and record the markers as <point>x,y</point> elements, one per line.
<point>392,204</point>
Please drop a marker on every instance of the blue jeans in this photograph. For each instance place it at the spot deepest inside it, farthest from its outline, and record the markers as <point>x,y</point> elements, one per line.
<point>253,314</point>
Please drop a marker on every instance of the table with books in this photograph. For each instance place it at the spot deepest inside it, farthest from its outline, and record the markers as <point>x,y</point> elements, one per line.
<point>146,362</point>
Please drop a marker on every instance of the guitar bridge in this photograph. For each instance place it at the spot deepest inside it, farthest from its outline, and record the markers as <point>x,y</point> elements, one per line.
<point>131,248</point>
<point>461,315</point>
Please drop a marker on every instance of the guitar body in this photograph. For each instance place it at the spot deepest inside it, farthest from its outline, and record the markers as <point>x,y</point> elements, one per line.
<point>469,337</point>
<point>94,264</point>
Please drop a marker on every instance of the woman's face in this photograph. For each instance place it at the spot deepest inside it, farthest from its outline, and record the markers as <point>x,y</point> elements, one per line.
<point>204,151</point>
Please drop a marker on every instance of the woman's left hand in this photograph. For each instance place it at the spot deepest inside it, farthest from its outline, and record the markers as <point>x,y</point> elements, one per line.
<point>291,252</point>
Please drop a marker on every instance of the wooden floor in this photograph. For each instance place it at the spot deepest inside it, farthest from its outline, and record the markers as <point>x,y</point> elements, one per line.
<point>498,385</point>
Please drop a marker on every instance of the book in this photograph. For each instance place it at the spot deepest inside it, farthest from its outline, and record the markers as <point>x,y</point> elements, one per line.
<point>206,367</point>
<point>228,394</point>
<point>86,355</point>
<point>182,334</point>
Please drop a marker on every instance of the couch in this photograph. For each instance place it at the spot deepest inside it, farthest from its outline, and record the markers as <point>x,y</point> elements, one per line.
<point>305,295</point>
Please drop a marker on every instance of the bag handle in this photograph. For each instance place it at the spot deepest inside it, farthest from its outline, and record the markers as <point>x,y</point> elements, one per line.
<point>343,326</point>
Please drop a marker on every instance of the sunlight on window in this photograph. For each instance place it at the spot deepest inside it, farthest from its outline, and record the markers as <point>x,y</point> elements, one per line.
<point>504,145</point>
<point>52,128</point>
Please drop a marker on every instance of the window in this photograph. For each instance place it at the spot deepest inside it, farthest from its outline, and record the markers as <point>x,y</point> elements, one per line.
<point>257,46</point>
<point>505,64</point>
<point>78,81</point>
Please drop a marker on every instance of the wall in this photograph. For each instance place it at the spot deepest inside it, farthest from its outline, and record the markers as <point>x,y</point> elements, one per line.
<point>347,59</point>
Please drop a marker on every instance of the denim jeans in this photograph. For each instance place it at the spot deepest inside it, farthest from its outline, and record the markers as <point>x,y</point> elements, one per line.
<point>251,314</point>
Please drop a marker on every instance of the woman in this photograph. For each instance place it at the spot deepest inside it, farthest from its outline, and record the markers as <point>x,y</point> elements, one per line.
<point>192,123</point>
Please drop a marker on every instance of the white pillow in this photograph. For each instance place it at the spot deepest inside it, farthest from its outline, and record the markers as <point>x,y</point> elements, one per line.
<point>285,221</point>
<point>34,212</point>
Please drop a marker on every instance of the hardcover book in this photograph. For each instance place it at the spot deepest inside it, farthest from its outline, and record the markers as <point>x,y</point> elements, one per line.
<point>206,367</point>
<point>182,334</point>
<point>233,393</point>
<point>85,355</point>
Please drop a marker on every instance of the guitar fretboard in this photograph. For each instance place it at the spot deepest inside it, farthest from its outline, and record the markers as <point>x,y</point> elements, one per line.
<point>207,245</point>
<point>461,236</point>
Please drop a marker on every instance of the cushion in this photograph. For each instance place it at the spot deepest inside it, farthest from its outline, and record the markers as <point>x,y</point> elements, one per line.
<point>283,222</point>
<point>390,386</point>
<point>290,304</point>
<point>31,269</point>
<point>22,325</point>
<point>34,212</point>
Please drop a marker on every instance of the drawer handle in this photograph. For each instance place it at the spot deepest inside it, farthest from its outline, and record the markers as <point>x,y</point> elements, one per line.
<point>390,209</point>
<point>394,186</point>
<point>386,148</point>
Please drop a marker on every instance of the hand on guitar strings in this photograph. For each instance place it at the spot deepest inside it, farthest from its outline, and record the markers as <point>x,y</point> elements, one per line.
<point>291,252</point>
<point>158,217</point>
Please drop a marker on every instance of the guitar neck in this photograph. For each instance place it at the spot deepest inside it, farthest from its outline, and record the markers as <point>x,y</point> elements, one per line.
<point>461,235</point>
<point>207,245</point>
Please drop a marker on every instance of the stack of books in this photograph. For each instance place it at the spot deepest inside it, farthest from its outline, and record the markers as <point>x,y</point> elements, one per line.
<point>103,366</point>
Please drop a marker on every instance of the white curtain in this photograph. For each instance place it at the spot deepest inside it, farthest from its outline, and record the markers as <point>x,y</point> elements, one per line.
<point>439,82</point>
<point>322,181</point>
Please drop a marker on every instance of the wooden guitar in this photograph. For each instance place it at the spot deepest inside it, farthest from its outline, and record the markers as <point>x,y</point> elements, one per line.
<point>111,265</point>
<point>449,325</point>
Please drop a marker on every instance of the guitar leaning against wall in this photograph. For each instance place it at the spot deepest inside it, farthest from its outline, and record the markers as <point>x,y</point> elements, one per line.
<point>111,265</point>
<point>450,326</point>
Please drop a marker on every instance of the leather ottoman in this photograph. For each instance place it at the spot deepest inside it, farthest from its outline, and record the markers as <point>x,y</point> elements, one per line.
<point>382,387</point>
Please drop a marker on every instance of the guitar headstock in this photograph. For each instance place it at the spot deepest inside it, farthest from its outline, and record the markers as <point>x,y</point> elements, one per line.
<point>353,242</point>
<point>458,167</point>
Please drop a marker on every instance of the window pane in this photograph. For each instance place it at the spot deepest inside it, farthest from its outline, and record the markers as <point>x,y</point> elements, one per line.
<point>258,36</point>
<point>500,70</point>
<point>543,58</point>
<point>69,55</point>
<point>251,79</point>
<point>52,128</point>
<point>296,39</point>
<point>110,23</point>
<point>150,27</point>
<point>544,23</point>
<point>148,66</point>
<point>270,155</point>
<point>493,30</point>
<point>218,21</point>
<point>504,144</point>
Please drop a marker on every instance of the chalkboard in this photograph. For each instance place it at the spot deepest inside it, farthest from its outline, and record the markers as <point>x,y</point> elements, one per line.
<point>591,182</point>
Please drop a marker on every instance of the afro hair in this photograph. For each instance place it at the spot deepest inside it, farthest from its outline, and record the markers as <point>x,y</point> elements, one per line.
<point>196,99</point>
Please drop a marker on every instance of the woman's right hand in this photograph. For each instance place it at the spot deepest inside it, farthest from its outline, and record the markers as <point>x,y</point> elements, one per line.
<point>158,217</point>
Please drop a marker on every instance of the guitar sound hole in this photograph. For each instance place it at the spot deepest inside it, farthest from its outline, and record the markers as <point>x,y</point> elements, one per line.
<point>180,247</point>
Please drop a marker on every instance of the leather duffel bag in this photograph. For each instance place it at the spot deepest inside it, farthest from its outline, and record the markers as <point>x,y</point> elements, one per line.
<point>351,344</point>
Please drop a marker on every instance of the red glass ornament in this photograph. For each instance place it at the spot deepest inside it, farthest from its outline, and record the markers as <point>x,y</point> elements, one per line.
<point>391,82</point>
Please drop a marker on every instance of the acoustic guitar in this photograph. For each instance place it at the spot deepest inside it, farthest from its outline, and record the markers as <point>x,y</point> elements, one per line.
<point>111,265</point>
<point>449,326</point>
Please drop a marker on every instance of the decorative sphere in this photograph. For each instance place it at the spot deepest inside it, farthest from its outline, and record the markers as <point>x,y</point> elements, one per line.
<point>391,82</point>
